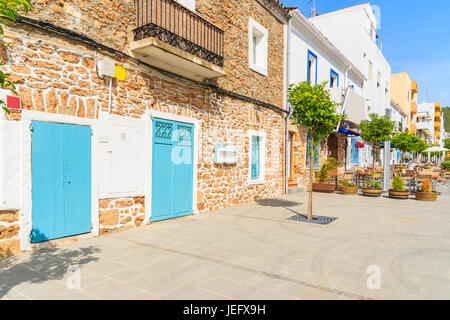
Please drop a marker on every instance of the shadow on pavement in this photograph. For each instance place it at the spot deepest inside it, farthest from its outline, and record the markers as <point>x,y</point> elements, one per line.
<point>278,203</point>
<point>42,266</point>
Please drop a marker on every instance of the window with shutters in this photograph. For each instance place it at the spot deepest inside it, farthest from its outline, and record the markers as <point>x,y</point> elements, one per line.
<point>256,157</point>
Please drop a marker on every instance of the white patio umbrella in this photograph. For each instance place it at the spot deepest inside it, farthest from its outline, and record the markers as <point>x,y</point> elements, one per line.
<point>435,149</point>
<point>429,151</point>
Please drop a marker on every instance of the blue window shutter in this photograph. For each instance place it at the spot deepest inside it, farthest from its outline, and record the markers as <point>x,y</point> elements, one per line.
<point>255,157</point>
<point>355,151</point>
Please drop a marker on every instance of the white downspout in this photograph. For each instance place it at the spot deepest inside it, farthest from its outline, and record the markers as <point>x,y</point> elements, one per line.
<point>2,152</point>
<point>288,81</point>
<point>110,95</point>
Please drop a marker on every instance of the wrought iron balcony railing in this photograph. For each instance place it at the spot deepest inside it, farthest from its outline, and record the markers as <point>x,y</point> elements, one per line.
<point>170,22</point>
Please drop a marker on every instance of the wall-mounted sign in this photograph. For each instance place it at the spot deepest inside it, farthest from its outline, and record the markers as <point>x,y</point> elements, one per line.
<point>121,73</point>
<point>13,103</point>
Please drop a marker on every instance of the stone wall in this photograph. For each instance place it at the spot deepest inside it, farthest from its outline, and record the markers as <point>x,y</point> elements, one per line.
<point>111,22</point>
<point>106,21</point>
<point>57,75</point>
<point>9,233</point>
<point>300,169</point>
<point>122,213</point>
<point>232,16</point>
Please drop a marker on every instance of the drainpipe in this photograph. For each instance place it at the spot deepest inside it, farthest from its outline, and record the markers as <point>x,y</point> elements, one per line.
<point>2,195</point>
<point>110,95</point>
<point>288,81</point>
<point>346,75</point>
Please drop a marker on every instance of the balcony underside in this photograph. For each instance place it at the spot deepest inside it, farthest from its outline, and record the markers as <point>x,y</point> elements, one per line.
<point>167,57</point>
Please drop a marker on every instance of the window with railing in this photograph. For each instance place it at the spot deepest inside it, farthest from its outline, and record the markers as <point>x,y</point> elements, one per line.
<point>178,26</point>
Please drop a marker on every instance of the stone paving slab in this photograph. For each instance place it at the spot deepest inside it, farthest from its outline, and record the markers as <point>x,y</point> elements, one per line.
<point>253,252</point>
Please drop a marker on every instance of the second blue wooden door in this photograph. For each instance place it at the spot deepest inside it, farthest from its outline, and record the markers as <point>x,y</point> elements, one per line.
<point>172,169</point>
<point>61,180</point>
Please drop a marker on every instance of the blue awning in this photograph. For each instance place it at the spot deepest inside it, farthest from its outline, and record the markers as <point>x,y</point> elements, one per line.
<point>349,132</point>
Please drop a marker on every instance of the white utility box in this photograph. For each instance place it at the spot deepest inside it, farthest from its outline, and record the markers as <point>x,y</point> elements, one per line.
<point>107,67</point>
<point>226,154</point>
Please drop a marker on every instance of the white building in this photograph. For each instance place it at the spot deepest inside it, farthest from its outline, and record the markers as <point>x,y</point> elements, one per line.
<point>401,120</point>
<point>425,122</point>
<point>312,57</point>
<point>353,31</point>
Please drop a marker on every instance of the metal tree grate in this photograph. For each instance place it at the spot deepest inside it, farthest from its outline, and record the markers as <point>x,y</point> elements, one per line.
<point>316,219</point>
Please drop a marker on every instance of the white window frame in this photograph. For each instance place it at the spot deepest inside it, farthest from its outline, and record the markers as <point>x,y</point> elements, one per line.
<point>262,156</point>
<point>255,26</point>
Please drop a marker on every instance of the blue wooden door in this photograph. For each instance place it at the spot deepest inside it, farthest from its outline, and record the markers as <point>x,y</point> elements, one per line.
<point>355,152</point>
<point>172,169</point>
<point>61,180</point>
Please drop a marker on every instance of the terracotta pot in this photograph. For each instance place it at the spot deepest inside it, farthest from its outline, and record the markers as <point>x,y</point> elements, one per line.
<point>369,192</point>
<point>399,194</point>
<point>324,187</point>
<point>349,191</point>
<point>426,196</point>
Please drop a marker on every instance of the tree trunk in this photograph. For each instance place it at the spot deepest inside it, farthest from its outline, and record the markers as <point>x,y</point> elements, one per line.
<point>374,163</point>
<point>311,174</point>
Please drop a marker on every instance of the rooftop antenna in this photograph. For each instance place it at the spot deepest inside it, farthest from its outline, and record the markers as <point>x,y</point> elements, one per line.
<point>426,97</point>
<point>313,9</point>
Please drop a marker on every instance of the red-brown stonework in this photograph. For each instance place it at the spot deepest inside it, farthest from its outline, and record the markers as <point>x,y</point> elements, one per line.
<point>233,17</point>
<point>225,120</point>
<point>299,170</point>
<point>121,213</point>
<point>58,75</point>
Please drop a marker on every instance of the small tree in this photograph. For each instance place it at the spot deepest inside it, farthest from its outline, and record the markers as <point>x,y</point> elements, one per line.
<point>9,12</point>
<point>447,143</point>
<point>313,109</point>
<point>374,131</point>
<point>402,141</point>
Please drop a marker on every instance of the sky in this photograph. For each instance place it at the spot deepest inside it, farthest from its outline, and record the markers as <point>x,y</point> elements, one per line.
<point>416,39</point>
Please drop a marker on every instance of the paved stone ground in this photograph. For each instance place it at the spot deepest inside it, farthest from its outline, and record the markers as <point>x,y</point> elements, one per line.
<point>254,252</point>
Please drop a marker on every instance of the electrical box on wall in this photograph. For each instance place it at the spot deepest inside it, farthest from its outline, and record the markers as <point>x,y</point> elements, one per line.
<point>226,154</point>
<point>107,67</point>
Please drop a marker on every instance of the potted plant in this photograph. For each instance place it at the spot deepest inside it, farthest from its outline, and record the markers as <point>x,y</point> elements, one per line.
<point>348,188</point>
<point>445,165</point>
<point>398,190</point>
<point>372,189</point>
<point>322,177</point>
<point>426,193</point>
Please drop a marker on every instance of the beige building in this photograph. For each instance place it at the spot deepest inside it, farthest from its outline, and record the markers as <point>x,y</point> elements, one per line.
<point>404,92</point>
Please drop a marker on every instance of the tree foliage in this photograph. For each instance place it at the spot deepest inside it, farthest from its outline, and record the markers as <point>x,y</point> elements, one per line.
<point>377,129</point>
<point>447,143</point>
<point>408,142</point>
<point>313,108</point>
<point>9,12</point>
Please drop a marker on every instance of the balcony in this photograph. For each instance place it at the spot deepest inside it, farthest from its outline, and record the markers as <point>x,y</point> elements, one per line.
<point>414,87</point>
<point>413,108</point>
<point>437,126</point>
<point>438,107</point>
<point>437,116</point>
<point>173,38</point>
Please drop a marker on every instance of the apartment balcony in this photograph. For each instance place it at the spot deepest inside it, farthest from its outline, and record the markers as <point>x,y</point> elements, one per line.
<point>414,87</point>
<point>175,39</point>
<point>437,116</point>
<point>438,107</point>
<point>426,127</point>
<point>413,108</point>
<point>437,126</point>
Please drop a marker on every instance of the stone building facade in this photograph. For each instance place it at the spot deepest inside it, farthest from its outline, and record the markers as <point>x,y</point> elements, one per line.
<point>57,76</point>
